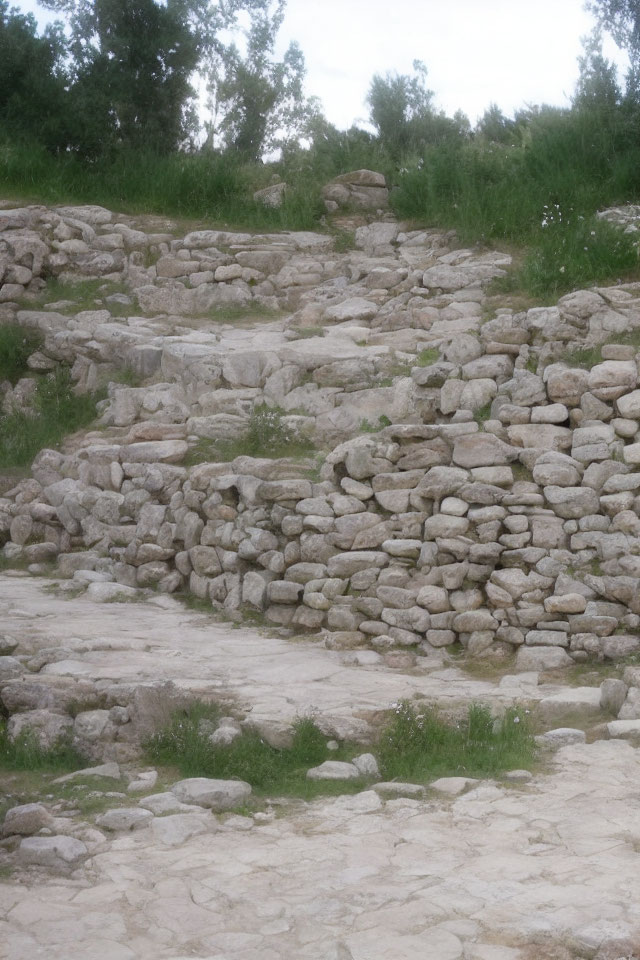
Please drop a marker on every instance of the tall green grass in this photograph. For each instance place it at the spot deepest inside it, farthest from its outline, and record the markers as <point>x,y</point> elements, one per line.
<point>420,745</point>
<point>201,186</point>
<point>25,753</point>
<point>572,162</point>
<point>413,746</point>
<point>541,193</point>
<point>184,743</point>
<point>16,345</point>
<point>57,412</point>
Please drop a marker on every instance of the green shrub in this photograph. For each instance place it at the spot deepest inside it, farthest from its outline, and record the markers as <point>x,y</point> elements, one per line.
<point>418,745</point>
<point>17,343</point>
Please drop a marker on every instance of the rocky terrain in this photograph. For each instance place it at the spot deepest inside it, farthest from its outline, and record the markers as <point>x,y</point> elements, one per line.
<point>458,485</point>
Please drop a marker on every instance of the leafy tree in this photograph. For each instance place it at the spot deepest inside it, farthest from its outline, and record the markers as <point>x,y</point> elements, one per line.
<point>402,111</point>
<point>597,87</point>
<point>495,126</point>
<point>398,104</point>
<point>257,101</point>
<point>621,18</point>
<point>131,67</point>
<point>32,79</point>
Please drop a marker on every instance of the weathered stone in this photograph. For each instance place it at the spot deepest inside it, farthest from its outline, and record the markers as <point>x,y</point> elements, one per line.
<point>217,795</point>
<point>482,450</point>
<point>59,853</point>
<point>613,693</point>
<point>26,819</point>
<point>542,658</point>
<point>125,819</point>
<point>334,770</point>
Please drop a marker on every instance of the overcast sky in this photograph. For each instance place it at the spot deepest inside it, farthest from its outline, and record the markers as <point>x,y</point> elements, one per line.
<point>509,52</point>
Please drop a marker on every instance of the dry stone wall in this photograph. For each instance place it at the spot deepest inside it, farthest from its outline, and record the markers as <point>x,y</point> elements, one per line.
<point>492,500</point>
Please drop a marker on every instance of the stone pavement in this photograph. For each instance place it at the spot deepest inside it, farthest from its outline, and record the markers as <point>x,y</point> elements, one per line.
<point>500,873</point>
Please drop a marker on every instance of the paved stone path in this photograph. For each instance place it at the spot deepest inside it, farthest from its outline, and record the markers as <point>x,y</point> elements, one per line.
<point>496,874</point>
<point>272,680</point>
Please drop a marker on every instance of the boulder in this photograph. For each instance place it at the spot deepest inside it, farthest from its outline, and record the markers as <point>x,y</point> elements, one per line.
<point>26,819</point>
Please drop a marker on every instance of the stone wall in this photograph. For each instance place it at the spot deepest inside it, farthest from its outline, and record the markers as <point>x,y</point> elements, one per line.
<point>493,503</point>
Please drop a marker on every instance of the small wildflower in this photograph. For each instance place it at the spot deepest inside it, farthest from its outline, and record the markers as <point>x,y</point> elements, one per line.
<point>562,269</point>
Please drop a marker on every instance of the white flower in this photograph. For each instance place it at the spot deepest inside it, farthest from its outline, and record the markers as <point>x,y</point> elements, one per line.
<point>562,269</point>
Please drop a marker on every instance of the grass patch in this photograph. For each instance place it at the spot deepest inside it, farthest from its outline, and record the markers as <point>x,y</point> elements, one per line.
<point>16,346</point>
<point>57,412</point>
<point>87,794</point>
<point>419,745</point>
<point>343,240</point>
<point>82,294</point>
<point>126,377</point>
<point>584,357</point>
<point>25,753</point>
<point>413,746</point>
<point>630,339</point>
<point>521,473</point>
<point>267,435</point>
<point>269,770</point>
<point>427,357</point>
<point>558,168</point>
<point>578,255</point>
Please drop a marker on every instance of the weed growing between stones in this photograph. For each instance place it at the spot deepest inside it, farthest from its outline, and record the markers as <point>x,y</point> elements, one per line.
<point>16,345</point>
<point>343,240</point>
<point>57,411</point>
<point>418,745</point>
<point>367,427</point>
<point>482,414</point>
<point>270,770</point>
<point>87,294</point>
<point>267,435</point>
<point>426,357</point>
<point>25,753</point>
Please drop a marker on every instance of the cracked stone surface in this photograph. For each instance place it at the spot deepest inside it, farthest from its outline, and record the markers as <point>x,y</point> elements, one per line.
<point>271,680</point>
<point>554,861</point>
